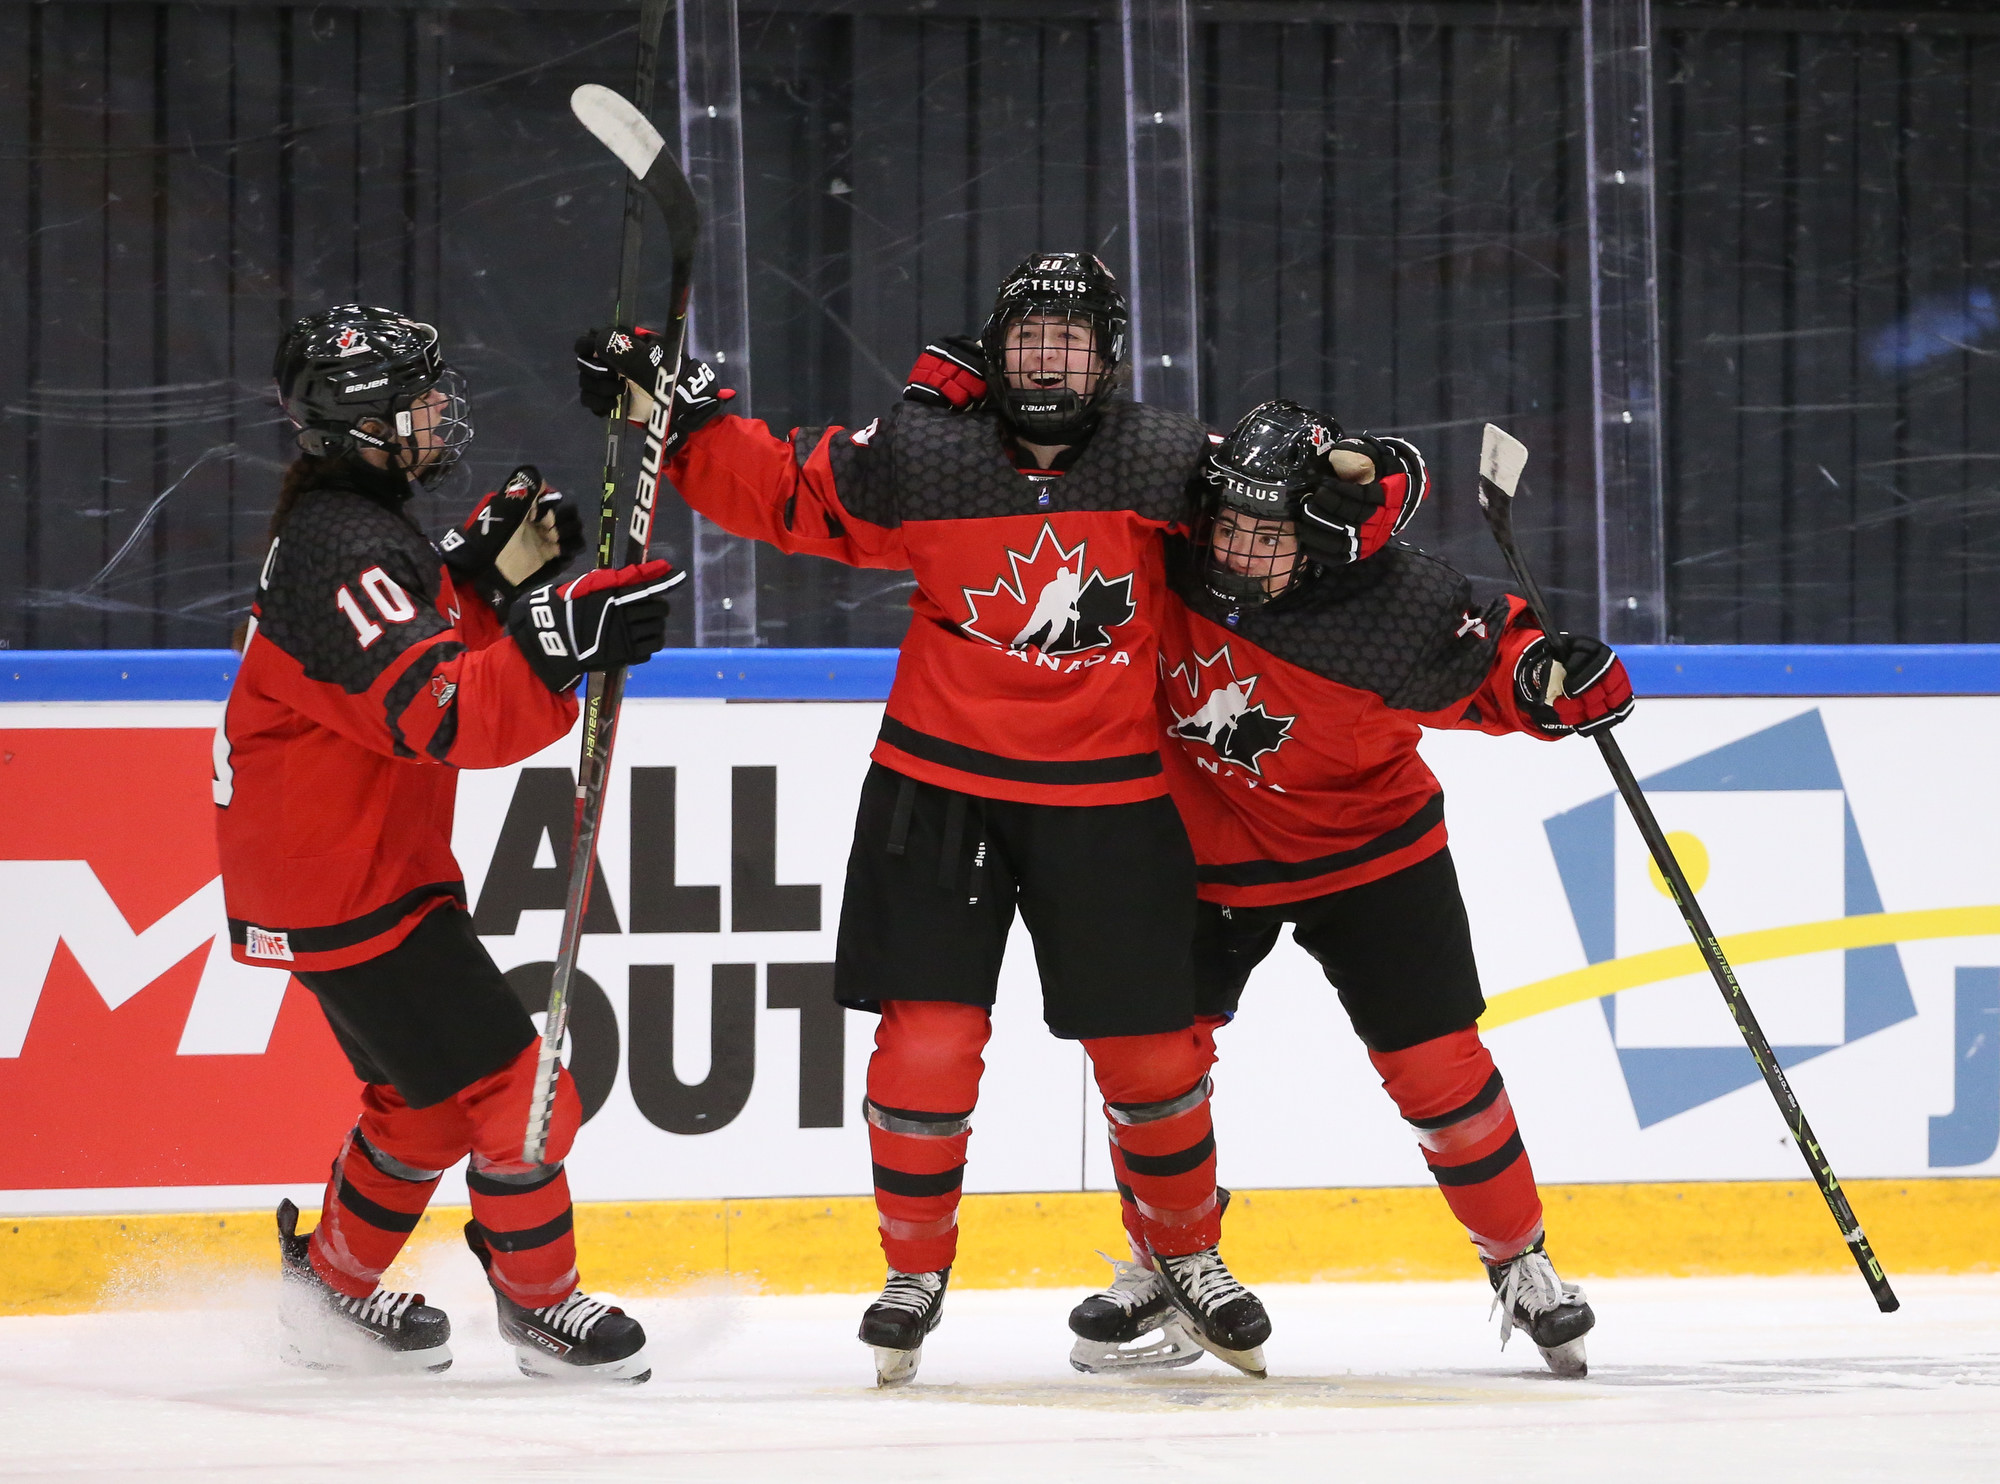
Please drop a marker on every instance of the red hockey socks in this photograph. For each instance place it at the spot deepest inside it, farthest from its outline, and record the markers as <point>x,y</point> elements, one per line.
<point>523,1211</point>
<point>1450,1092</point>
<point>390,1164</point>
<point>1162,1145</point>
<point>923,1083</point>
<point>376,1197</point>
<point>1205,1027</point>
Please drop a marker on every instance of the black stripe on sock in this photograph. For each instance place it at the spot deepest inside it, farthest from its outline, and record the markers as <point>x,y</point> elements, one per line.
<point>916,1116</point>
<point>483,1184</point>
<point>533,1237</point>
<point>1480,1170</point>
<point>901,1182</point>
<point>1177,1163</point>
<point>1481,1100</point>
<point>375,1214</point>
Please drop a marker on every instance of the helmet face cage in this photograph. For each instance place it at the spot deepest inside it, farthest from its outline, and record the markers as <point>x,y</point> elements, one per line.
<point>356,364</point>
<point>434,431</point>
<point>1054,343</point>
<point>1247,539</point>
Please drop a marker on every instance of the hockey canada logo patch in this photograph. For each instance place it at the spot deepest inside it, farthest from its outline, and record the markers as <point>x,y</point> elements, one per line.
<point>1220,714</point>
<point>1045,601</point>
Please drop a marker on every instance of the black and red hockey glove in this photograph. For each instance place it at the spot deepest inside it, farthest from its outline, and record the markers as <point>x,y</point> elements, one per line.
<point>1349,519</point>
<point>950,373</point>
<point>607,618</point>
<point>607,359</point>
<point>1596,692</point>
<point>604,357</point>
<point>521,534</point>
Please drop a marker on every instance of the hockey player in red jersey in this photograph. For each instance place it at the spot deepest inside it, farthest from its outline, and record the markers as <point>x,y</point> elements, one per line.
<point>1304,657</point>
<point>1018,765</point>
<point>377,665</point>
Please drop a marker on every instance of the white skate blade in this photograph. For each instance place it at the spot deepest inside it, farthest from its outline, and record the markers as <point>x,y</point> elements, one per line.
<point>543,1366</point>
<point>1161,1349</point>
<point>1566,1360</point>
<point>896,1367</point>
<point>351,1355</point>
<point>1250,1362</point>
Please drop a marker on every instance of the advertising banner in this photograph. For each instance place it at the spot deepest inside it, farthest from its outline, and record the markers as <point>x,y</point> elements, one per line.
<point>1840,846</point>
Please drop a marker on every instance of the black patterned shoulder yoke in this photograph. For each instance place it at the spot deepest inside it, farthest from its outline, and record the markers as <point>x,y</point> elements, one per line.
<point>1401,624</point>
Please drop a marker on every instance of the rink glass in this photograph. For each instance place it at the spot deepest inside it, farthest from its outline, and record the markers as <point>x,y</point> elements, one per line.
<point>1386,207</point>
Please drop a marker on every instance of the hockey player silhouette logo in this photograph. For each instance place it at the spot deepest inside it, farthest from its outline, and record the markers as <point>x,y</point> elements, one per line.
<point>1046,601</point>
<point>1224,720</point>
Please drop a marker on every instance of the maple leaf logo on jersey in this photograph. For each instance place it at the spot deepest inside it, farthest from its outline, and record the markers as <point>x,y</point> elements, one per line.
<point>1045,601</point>
<point>1225,721</point>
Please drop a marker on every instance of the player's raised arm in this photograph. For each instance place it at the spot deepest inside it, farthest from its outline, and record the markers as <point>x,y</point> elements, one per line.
<point>825,492</point>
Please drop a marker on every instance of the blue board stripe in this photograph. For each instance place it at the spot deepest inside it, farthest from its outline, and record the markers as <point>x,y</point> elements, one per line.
<point>864,674</point>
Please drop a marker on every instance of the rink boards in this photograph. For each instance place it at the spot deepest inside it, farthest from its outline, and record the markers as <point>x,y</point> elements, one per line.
<point>1841,843</point>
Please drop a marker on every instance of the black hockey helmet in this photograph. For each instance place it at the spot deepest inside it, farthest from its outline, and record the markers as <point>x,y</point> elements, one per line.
<point>354,364</point>
<point>1066,291</point>
<point>1248,545</point>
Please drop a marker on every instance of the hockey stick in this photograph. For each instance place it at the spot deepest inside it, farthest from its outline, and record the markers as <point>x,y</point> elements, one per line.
<point>1501,459</point>
<point>626,132</point>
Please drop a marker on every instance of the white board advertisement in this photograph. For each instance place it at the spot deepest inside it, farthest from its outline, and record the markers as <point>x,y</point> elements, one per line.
<point>1847,837</point>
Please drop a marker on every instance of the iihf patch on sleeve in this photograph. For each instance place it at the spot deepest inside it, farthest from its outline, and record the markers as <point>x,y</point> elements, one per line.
<point>259,943</point>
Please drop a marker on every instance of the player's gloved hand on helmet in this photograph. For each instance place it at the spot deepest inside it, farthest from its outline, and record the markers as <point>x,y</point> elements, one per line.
<point>607,618</point>
<point>950,373</point>
<point>1595,693</point>
<point>1371,489</point>
<point>521,534</point>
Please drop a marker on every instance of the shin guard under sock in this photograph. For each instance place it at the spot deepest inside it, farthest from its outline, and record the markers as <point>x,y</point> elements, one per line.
<point>923,1082</point>
<point>1205,1027</point>
<point>1156,1103</point>
<point>523,1211</point>
<point>1451,1094</point>
<point>373,1203</point>
<point>529,1227</point>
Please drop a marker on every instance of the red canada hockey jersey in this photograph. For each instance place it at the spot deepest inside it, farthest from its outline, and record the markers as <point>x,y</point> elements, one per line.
<point>368,681</point>
<point>1028,673</point>
<point>1293,729</point>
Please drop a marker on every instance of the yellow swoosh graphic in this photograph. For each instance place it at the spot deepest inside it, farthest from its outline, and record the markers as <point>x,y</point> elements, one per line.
<point>1869,930</point>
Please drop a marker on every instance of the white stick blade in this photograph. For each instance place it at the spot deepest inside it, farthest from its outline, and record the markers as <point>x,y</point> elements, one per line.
<point>619,127</point>
<point>1501,459</point>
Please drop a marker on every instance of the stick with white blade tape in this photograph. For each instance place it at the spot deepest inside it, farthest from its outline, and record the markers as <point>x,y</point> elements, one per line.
<point>627,133</point>
<point>1501,459</point>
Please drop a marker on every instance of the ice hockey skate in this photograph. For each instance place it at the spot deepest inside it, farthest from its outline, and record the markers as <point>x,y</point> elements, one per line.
<point>1223,1317</point>
<point>895,1325</point>
<point>322,1329</point>
<point>1132,1325</point>
<point>576,1339</point>
<point>1529,1295</point>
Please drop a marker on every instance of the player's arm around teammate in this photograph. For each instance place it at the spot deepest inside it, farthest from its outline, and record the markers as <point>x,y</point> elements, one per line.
<point>1306,651</point>
<point>1018,767</point>
<point>378,663</point>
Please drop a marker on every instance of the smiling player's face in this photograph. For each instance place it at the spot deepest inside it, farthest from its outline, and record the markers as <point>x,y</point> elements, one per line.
<point>1051,352</point>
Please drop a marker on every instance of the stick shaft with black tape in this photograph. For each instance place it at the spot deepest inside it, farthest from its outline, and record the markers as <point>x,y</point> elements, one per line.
<point>625,129</point>
<point>1501,460</point>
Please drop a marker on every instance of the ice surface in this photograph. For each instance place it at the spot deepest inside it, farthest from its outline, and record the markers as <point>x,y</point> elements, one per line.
<point>1691,1380</point>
